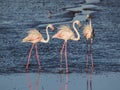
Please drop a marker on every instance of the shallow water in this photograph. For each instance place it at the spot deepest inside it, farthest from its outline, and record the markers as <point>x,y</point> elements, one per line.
<point>19,16</point>
<point>49,81</point>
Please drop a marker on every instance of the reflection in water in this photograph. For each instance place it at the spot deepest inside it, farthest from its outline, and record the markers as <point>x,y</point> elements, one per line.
<point>66,82</point>
<point>29,82</point>
<point>87,78</point>
<point>60,81</point>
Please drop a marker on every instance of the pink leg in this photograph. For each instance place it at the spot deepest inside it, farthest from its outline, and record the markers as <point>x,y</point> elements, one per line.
<point>66,57</point>
<point>29,56</point>
<point>61,57</point>
<point>86,56</point>
<point>91,53</point>
<point>37,56</point>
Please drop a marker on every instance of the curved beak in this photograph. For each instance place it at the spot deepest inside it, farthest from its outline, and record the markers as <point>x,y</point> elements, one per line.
<point>52,28</point>
<point>79,25</point>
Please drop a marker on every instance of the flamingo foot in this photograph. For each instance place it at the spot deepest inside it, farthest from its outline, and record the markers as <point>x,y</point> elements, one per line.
<point>66,70</point>
<point>60,71</point>
<point>92,66</point>
<point>39,67</point>
<point>26,67</point>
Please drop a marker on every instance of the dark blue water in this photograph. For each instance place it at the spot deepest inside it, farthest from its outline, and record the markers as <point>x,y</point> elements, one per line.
<point>19,16</point>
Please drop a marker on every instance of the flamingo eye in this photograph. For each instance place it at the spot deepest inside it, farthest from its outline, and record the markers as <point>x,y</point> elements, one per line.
<point>51,26</point>
<point>78,23</point>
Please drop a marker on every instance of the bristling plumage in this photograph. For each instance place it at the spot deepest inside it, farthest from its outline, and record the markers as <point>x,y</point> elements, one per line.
<point>88,32</point>
<point>32,35</point>
<point>64,27</point>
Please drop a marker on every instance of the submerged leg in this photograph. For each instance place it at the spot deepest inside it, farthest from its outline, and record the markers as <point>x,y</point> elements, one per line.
<point>37,56</point>
<point>66,57</point>
<point>28,62</point>
<point>61,57</point>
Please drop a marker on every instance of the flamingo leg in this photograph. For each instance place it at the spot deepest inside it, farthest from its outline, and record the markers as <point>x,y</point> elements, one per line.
<point>37,56</point>
<point>86,56</point>
<point>61,57</point>
<point>91,53</point>
<point>87,63</point>
<point>66,57</point>
<point>28,62</point>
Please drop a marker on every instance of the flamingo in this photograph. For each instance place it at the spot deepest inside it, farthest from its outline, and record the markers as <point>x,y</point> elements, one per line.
<point>65,33</point>
<point>34,36</point>
<point>49,14</point>
<point>89,34</point>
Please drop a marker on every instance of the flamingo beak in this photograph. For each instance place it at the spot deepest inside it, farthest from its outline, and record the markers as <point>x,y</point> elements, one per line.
<point>80,25</point>
<point>88,17</point>
<point>52,28</point>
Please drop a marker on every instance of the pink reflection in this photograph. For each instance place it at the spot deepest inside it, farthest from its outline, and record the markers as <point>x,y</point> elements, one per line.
<point>29,82</point>
<point>60,81</point>
<point>66,82</point>
<point>89,79</point>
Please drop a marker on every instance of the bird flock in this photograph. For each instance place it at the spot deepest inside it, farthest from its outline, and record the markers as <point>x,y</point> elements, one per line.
<point>65,33</point>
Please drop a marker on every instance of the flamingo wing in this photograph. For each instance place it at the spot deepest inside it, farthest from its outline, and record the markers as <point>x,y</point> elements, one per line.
<point>34,36</point>
<point>87,31</point>
<point>64,32</point>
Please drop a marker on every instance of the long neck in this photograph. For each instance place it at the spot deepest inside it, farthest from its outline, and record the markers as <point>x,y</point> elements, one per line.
<point>90,23</point>
<point>48,38</point>
<point>78,35</point>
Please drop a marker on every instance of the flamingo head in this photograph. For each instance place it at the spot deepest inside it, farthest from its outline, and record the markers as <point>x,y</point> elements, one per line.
<point>88,17</point>
<point>78,23</point>
<point>51,26</point>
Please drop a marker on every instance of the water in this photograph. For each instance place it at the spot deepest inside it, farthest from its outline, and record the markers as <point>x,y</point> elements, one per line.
<point>17,17</point>
<point>74,81</point>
